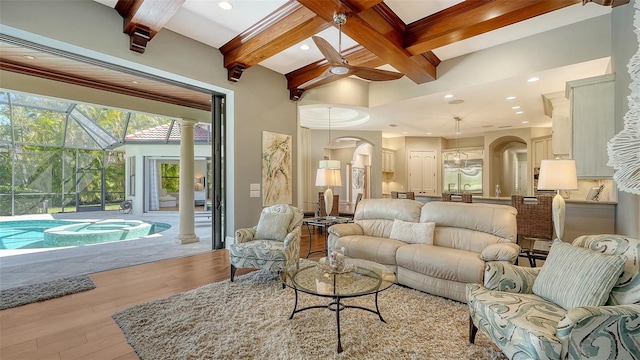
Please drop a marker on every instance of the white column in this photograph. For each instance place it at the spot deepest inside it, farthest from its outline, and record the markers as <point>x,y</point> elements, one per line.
<point>187,206</point>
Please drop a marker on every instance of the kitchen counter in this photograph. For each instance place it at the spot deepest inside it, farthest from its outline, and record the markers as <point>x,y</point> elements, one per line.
<point>582,217</point>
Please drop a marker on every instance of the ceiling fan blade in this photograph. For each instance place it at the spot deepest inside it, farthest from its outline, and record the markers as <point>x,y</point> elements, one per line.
<point>327,50</point>
<point>374,74</point>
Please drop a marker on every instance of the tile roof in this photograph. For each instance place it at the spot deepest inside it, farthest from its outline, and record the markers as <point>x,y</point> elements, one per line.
<point>201,133</point>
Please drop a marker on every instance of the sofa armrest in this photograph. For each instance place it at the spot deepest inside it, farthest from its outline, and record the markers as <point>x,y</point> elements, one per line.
<point>615,328</point>
<point>501,252</point>
<point>340,230</point>
<point>510,278</point>
<point>244,235</point>
<point>293,236</point>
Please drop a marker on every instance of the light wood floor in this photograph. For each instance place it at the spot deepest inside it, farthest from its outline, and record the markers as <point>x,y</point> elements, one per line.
<point>80,326</point>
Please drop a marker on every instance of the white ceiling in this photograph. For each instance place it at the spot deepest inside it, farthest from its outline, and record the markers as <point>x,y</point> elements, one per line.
<point>484,107</point>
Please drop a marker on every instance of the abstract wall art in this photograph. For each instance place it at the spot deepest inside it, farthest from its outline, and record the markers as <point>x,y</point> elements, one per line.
<point>277,182</point>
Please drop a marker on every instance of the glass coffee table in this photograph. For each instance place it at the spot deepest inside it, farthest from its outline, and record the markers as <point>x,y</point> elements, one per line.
<point>366,278</point>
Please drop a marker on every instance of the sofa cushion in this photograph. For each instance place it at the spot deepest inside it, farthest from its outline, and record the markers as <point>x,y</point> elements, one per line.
<point>523,325</point>
<point>264,250</point>
<point>380,250</point>
<point>376,216</point>
<point>412,232</point>
<point>574,276</point>
<point>273,226</point>
<point>441,262</point>
<point>498,220</point>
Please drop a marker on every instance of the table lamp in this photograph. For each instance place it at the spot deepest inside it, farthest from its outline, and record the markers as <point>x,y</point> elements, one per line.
<point>328,178</point>
<point>558,174</point>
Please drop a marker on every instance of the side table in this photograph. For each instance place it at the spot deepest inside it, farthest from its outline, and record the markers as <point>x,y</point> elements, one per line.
<point>323,222</point>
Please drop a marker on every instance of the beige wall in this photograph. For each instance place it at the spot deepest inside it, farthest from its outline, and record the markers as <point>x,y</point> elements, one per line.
<point>260,101</point>
<point>624,46</point>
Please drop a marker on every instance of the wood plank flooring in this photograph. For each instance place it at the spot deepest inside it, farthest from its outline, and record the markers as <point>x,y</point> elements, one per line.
<point>80,326</point>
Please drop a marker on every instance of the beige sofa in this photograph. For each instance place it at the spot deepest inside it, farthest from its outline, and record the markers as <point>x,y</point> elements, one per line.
<point>465,237</point>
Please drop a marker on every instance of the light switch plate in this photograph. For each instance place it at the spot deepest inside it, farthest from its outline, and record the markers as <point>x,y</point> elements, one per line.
<point>254,193</point>
<point>254,187</point>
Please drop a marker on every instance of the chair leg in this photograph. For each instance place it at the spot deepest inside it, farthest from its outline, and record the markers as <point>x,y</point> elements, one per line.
<point>472,331</point>
<point>233,272</point>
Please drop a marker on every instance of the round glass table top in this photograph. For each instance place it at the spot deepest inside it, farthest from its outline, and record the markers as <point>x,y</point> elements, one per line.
<point>367,277</point>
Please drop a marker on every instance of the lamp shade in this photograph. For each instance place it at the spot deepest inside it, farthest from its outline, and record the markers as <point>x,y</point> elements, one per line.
<point>328,177</point>
<point>558,174</point>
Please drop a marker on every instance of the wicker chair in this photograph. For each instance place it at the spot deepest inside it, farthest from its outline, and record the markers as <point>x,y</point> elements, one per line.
<point>464,197</point>
<point>535,223</point>
<point>403,195</point>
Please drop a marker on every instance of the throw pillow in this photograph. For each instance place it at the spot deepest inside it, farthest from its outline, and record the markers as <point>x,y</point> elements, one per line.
<point>273,226</point>
<point>413,233</point>
<point>574,276</point>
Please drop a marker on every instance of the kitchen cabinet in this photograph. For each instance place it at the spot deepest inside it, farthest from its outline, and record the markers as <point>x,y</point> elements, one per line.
<point>388,160</point>
<point>423,172</point>
<point>592,118</point>
<point>542,149</point>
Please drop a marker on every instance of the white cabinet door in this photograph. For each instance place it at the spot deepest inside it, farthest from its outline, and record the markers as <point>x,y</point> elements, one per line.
<point>592,115</point>
<point>388,160</point>
<point>423,172</point>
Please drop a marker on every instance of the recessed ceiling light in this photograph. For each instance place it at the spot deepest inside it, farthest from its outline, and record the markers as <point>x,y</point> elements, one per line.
<point>511,97</point>
<point>515,107</point>
<point>305,47</point>
<point>525,122</point>
<point>519,112</point>
<point>456,101</point>
<point>225,5</point>
<point>393,125</point>
<point>134,81</point>
<point>405,132</point>
<point>429,133</point>
<point>533,79</point>
<point>448,96</point>
<point>29,57</point>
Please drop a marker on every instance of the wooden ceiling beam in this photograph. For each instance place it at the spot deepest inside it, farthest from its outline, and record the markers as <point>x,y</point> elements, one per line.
<point>471,18</point>
<point>285,27</point>
<point>372,28</point>
<point>143,19</point>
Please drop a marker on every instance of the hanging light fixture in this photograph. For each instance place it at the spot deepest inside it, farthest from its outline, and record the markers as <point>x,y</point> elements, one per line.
<point>328,163</point>
<point>456,159</point>
<point>328,174</point>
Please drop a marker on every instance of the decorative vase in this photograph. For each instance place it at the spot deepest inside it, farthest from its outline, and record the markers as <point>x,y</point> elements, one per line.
<point>336,259</point>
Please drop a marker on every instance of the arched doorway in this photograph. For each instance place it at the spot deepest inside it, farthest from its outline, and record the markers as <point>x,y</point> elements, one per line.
<point>508,167</point>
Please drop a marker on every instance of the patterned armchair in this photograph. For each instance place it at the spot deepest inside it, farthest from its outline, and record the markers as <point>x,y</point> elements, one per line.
<point>529,326</point>
<point>273,244</point>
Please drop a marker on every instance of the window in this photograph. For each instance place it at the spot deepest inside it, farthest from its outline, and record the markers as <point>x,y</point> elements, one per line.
<point>170,174</point>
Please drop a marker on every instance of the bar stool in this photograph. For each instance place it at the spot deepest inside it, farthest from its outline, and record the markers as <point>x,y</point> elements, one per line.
<point>535,223</point>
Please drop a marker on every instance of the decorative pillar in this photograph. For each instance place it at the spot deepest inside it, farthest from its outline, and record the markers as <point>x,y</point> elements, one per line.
<point>187,205</point>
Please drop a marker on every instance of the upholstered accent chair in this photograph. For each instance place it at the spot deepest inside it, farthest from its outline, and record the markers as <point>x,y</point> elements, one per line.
<point>583,303</point>
<point>273,244</point>
<point>165,199</point>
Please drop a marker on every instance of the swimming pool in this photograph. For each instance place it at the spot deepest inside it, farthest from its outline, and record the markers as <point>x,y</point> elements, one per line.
<point>37,234</point>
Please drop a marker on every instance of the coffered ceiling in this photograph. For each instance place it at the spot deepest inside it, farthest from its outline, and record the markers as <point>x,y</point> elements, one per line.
<point>408,36</point>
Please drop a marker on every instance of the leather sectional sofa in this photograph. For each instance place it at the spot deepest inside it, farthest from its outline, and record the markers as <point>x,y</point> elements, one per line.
<point>437,247</point>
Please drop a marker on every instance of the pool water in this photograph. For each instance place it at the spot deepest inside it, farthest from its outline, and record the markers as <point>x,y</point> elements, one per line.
<point>38,234</point>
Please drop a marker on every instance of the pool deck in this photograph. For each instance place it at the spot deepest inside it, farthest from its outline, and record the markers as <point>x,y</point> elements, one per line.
<point>32,266</point>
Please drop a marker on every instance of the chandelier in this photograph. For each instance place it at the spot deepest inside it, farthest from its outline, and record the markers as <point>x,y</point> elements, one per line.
<point>456,159</point>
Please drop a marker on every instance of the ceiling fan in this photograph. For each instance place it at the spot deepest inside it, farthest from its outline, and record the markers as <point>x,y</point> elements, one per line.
<point>340,66</point>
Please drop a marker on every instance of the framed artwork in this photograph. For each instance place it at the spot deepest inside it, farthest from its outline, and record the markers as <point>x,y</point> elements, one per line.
<point>358,178</point>
<point>277,182</point>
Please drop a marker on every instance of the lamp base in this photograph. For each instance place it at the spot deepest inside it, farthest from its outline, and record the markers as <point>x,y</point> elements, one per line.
<point>328,201</point>
<point>558,210</point>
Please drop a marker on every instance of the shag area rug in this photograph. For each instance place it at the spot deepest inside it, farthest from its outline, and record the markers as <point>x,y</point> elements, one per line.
<point>28,294</point>
<point>249,319</point>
